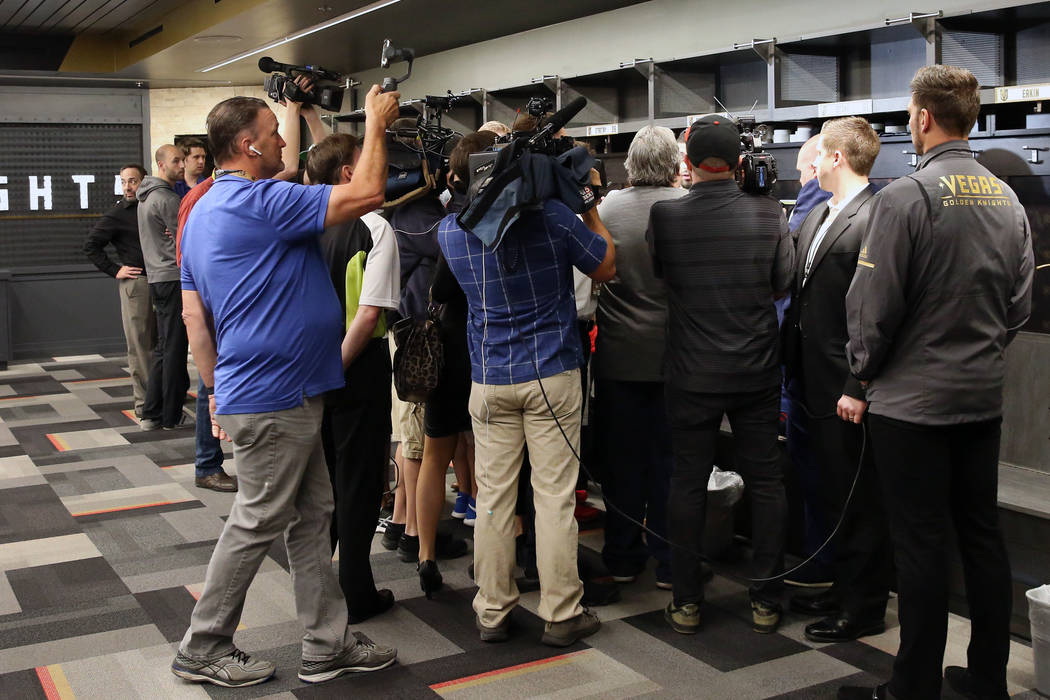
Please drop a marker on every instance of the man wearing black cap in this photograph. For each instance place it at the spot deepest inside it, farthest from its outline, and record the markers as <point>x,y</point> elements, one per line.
<point>724,255</point>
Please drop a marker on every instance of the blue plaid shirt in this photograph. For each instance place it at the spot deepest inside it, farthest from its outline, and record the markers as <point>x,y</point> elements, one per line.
<point>523,313</point>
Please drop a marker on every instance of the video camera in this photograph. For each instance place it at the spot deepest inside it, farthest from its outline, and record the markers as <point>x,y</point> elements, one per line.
<point>280,84</point>
<point>757,172</point>
<point>523,173</point>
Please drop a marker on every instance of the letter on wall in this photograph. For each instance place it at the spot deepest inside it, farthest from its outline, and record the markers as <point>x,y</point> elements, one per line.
<point>36,192</point>
<point>83,181</point>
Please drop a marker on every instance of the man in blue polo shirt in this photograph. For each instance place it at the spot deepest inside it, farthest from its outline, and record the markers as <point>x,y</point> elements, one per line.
<point>265,327</point>
<point>521,330</point>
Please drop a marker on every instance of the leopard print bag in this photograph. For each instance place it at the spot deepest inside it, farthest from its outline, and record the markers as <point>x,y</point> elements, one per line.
<point>419,358</point>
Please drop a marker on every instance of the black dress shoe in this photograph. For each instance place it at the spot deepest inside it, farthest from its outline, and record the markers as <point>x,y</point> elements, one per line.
<point>840,628</point>
<point>853,692</point>
<point>964,683</point>
<point>383,601</point>
<point>822,604</point>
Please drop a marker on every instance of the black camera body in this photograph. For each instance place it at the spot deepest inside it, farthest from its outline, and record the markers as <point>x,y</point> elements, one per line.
<point>757,172</point>
<point>280,84</point>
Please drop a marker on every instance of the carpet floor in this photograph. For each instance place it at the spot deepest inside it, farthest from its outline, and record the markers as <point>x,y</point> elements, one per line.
<point>104,542</point>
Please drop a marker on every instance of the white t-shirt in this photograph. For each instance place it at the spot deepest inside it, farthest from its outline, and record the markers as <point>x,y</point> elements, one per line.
<point>381,285</point>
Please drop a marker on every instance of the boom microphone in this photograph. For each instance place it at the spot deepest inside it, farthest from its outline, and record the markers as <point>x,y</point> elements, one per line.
<point>559,119</point>
<point>268,65</point>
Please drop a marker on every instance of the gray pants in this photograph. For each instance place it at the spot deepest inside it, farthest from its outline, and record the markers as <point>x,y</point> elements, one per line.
<point>283,487</point>
<point>140,329</point>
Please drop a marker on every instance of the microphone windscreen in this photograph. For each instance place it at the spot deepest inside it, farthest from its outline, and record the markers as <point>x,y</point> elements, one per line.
<point>564,115</point>
<point>268,65</point>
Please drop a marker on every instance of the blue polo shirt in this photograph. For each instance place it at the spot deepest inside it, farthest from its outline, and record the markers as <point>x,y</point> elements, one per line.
<point>250,249</point>
<point>523,314</point>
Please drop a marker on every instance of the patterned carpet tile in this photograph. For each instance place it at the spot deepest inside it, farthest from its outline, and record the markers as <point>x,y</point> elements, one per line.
<point>105,542</point>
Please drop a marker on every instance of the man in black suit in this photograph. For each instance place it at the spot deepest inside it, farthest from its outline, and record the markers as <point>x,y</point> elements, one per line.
<point>815,356</point>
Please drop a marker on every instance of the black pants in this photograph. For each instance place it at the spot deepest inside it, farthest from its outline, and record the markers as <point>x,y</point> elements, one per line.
<point>862,565</point>
<point>168,378</point>
<point>934,478</point>
<point>695,419</point>
<point>631,423</point>
<point>355,430</point>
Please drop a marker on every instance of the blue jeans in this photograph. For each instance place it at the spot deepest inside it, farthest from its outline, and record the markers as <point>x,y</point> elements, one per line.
<point>633,429</point>
<point>209,449</point>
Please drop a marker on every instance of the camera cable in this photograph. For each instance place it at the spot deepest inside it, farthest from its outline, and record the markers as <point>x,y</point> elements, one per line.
<point>619,511</point>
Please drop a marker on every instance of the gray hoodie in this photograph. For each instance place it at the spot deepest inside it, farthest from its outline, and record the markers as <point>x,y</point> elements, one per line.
<point>158,212</point>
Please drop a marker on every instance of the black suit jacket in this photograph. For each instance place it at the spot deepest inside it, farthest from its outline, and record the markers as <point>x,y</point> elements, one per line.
<point>814,332</point>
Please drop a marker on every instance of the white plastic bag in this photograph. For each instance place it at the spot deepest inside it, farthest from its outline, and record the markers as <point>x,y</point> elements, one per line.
<point>724,488</point>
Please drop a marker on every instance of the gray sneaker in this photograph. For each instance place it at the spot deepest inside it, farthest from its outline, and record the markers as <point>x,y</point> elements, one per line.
<point>149,424</point>
<point>363,656</point>
<point>233,670</point>
<point>568,632</point>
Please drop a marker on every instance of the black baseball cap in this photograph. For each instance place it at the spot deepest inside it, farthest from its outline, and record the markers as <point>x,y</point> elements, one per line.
<point>713,136</point>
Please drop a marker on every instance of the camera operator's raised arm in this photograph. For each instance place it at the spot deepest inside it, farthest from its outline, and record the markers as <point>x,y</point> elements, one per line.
<point>607,269</point>
<point>365,192</point>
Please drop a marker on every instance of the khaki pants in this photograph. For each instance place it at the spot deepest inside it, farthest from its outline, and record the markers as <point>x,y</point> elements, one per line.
<point>140,330</point>
<point>507,418</point>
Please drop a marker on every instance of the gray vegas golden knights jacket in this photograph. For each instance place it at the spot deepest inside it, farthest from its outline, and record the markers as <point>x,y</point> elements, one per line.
<point>943,282</point>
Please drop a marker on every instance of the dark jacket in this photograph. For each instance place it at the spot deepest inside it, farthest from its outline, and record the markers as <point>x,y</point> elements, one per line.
<point>808,197</point>
<point>416,226</point>
<point>118,226</point>
<point>723,254</point>
<point>158,215</point>
<point>943,281</point>
<point>814,334</point>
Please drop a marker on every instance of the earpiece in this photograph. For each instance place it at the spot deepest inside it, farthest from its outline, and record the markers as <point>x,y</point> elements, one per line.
<point>254,150</point>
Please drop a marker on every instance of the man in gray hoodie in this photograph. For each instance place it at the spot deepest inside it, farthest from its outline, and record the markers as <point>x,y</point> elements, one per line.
<point>158,215</point>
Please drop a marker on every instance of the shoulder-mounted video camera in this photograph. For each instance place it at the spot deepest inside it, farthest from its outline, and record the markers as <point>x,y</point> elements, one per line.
<point>327,92</point>
<point>757,172</point>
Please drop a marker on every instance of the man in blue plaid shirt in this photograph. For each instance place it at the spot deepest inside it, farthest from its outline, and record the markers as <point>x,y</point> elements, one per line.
<point>525,365</point>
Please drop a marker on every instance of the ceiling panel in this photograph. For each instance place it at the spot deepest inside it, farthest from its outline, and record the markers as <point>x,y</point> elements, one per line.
<point>11,9</point>
<point>36,18</point>
<point>424,25</point>
<point>70,14</point>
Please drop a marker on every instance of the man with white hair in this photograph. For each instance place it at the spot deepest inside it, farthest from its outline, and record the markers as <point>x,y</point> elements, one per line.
<point>632,315</point>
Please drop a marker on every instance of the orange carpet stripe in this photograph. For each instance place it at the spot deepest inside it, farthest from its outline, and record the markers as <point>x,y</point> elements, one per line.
<point>16,398</point>
<point>89,381</point>
<point>117,510</point>
<point>60,444</point>
<point>508,672</point>
<point>54,682</point>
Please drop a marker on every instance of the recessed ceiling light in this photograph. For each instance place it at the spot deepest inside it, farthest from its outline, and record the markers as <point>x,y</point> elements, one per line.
<point>216,39</point>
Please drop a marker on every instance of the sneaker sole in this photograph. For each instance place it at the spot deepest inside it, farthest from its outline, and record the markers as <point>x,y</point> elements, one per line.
<point>807,584</point>
<point>336,672</point>
<point>189,675</point>
<point>469,522</point>
<point>664,585</point>
<point>624,579</point>
<point>680,629</point>
<point>552,641</point>
<point>765,629</point>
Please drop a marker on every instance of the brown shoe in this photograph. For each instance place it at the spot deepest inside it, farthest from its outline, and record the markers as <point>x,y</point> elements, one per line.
<point>219,481</point>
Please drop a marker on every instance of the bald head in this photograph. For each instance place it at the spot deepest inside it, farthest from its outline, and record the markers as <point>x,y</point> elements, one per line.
<point>806,155</point>
<point>170,163</point>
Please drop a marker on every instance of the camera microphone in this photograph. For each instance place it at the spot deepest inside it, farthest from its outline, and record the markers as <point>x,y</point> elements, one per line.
<point>559,119</point>
<point>268,65</point>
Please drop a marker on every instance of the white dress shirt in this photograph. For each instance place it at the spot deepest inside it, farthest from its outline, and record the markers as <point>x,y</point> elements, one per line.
<point>833,212</point>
